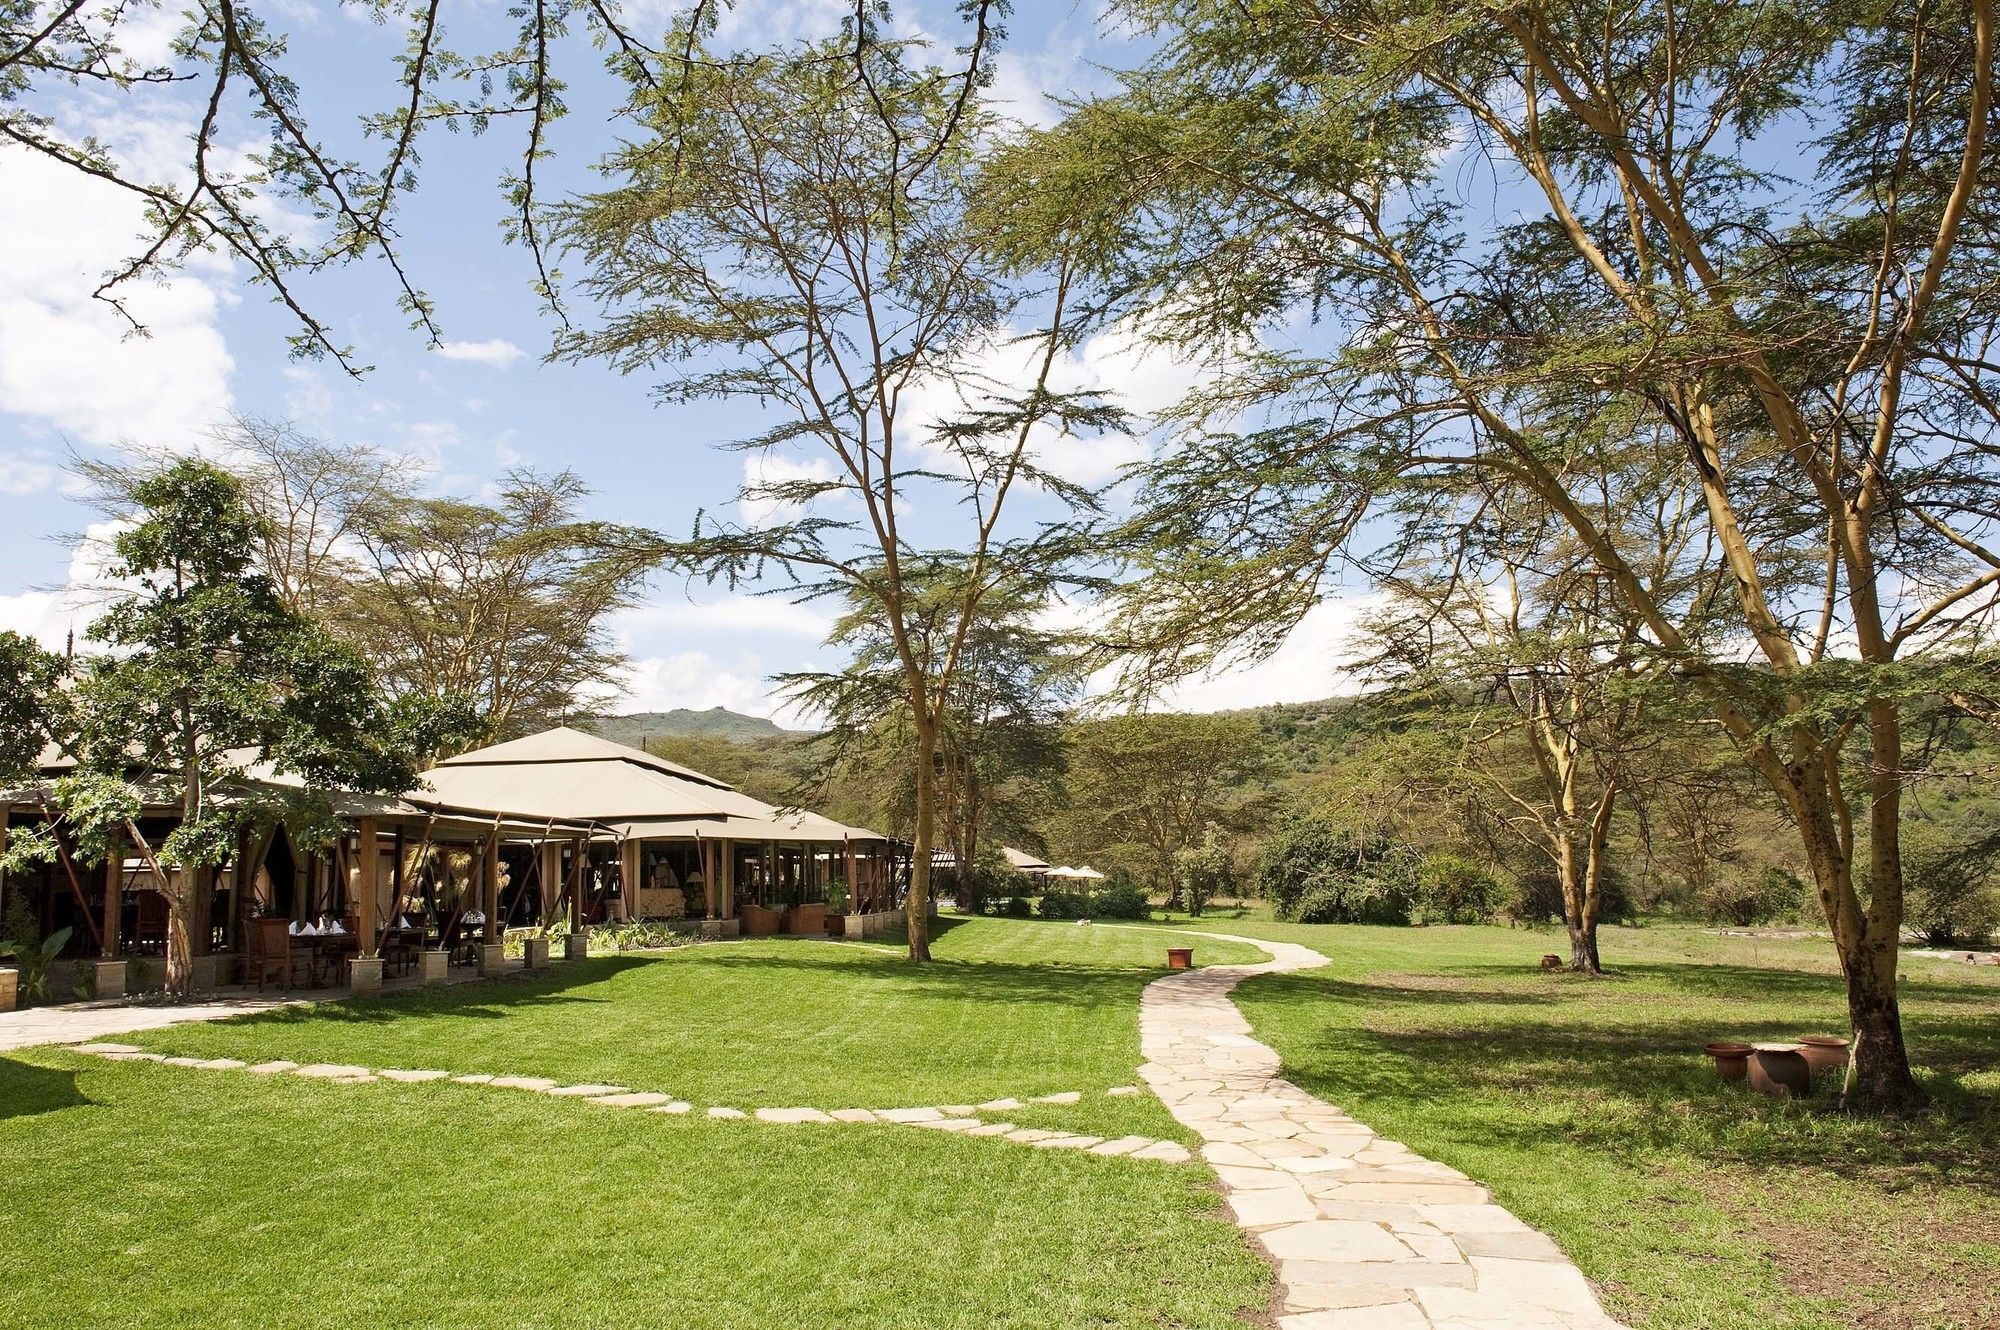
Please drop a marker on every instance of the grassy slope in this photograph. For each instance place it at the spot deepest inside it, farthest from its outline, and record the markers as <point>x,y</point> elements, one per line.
<point>153,1197</point>
<point>1589,1109</point>
<point>1008,1009</point>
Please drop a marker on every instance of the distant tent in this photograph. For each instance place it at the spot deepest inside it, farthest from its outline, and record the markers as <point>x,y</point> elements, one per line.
<point>1022,861</point>
<point>1084,874</point>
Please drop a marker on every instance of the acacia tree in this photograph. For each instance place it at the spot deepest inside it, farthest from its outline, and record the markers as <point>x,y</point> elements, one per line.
<point>1000,747</point>
<point>1142,788</point>
<point>1499,618</point>
<point>505,604</point>
<point>208,670</point>
<point>1767,231</point>
<point>794,232</point>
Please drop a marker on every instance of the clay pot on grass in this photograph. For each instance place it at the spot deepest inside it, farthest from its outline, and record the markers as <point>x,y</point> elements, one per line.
<point>1180,958</point>
<point>1732,1061</point>
<point>1779,1069</point>
<point>1824,1052</point>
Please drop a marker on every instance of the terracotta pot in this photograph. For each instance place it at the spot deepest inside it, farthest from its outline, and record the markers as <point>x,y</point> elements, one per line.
<point>1732,1061</point>
<point>836,924</point>
<point>1779,1069</point>
<point>1824,1052</point>
<point>1551,961</point>
<point>1180,958</point>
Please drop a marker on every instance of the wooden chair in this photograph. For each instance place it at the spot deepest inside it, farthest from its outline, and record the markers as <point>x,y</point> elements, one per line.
<point>149,932</point>
<point>275,954</point>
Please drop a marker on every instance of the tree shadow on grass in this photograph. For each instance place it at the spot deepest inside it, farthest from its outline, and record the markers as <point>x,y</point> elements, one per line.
<point>1629,1079</point>
<point>28,1088</point>
<point>488,1000</point>
<point>976,981</point>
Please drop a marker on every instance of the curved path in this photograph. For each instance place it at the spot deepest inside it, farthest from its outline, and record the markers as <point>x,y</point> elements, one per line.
<point>1366,1234</point>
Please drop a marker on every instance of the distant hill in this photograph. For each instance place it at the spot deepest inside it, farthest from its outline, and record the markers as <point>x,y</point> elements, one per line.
<point>715,723</point>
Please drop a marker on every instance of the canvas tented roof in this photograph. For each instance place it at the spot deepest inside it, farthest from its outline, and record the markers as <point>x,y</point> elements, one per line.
<point>1022,860</point>
<point>567,774</point>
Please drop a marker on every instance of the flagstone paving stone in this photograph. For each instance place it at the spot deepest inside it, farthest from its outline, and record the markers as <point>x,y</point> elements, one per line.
<point>1365,1233</point>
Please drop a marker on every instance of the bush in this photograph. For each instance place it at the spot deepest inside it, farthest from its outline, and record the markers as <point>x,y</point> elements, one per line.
<point>1949,896</point>
<point>1122,901</point>
<point>1538,897</point>
<point>1455,890</point>
<point>1318,874</point>
<point>1204,871</point>
<point>1058,903</point>
<point>1746,898</point>
<point>1114,902</point>
<point>1017,907</point>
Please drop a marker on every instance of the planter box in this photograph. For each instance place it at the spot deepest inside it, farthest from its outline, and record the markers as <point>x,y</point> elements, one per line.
<point>214,970</point>
<point>433,967</point>
<point>836,924</point>
<point>535,952</point>
<point>10,988</point>
<point>576,947</point>
<point>365,976</point>
<point>760,922</point>
<point>110,979</point>
<point>806,921</point>
<point>492,958</point>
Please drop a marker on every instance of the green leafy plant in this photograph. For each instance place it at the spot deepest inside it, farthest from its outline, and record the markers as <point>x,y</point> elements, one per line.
<point>33,957</point>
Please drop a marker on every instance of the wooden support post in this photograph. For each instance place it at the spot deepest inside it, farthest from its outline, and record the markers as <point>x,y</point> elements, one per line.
<point>548,880</point>
<point>114,893</point>
<point>853,879</point>
<point>727,854</point>
<point>367,883</point>
<point>707,849</point>
<point>578,852</point>
<point>489,887</point>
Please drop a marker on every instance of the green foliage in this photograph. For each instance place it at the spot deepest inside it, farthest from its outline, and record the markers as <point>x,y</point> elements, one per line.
<point>1120,900</point>
<point>32,703</point>
<point>837,896</point>
<point>97,809</point>
<point>1455,890</point>
<point>1058,903</point>
<point>1538,897</point>
<point>1319,873</point>
<point>33,955</point>
<point>1204,871</point>
<point>1753,896</point>
<point>1951,895</point>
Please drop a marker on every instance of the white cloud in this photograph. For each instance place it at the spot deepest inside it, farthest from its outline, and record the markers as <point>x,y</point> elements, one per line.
<point>50,615</point>
<point>495,351</point>
<point>696,680</point>
<point>737,612</point>
<point>70,362</point>
<point>28,473</point>
<point>1313,663</point>
<point>758,508</point>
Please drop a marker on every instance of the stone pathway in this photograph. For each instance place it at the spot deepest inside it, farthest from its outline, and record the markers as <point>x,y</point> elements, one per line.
<point>963,1118</point>
<point>80,1021</point>
<point>1365,1234</point>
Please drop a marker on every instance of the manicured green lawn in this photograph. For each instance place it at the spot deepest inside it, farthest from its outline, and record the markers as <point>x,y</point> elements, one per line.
<point>1588,1108</point>
<point>146,1197</point>
<point>1008,1009</point>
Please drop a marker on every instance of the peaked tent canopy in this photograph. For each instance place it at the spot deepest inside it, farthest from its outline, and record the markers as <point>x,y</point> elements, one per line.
<point>569,775</point>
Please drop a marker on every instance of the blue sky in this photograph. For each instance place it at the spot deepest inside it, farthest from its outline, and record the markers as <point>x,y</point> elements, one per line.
<point>485,401</point>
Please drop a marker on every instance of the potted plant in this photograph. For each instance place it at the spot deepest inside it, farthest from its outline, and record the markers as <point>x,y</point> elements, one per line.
<point>836,907</point>
<point>1732,1060</point>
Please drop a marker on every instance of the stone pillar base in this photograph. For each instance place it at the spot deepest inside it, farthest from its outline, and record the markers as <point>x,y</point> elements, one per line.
<point>576,947</point>
<point>492,958</point>
<point>535,951</point>
<point>10,988</point>
<point>209,970</point>
<point>110,979</point>
<point>433,967</point>
<point>854,925</point>
<point>365,976</point>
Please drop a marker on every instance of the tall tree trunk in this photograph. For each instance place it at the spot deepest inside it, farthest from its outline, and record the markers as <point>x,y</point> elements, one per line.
<point>917,903</point>
<point>1878,1071</point>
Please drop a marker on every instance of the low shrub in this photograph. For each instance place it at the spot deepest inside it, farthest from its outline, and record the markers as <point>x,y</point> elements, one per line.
<point>1121,901</point>
<point>1452,889</point>
<point>1317,873</point>
<point>1058,903</point>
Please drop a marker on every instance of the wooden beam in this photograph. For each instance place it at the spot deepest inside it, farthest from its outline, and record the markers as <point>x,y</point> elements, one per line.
<point>578,848</point>
<point>367,883</point>
<point>727,854</point>
<point>489,886</point>
<point>114,893</point>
